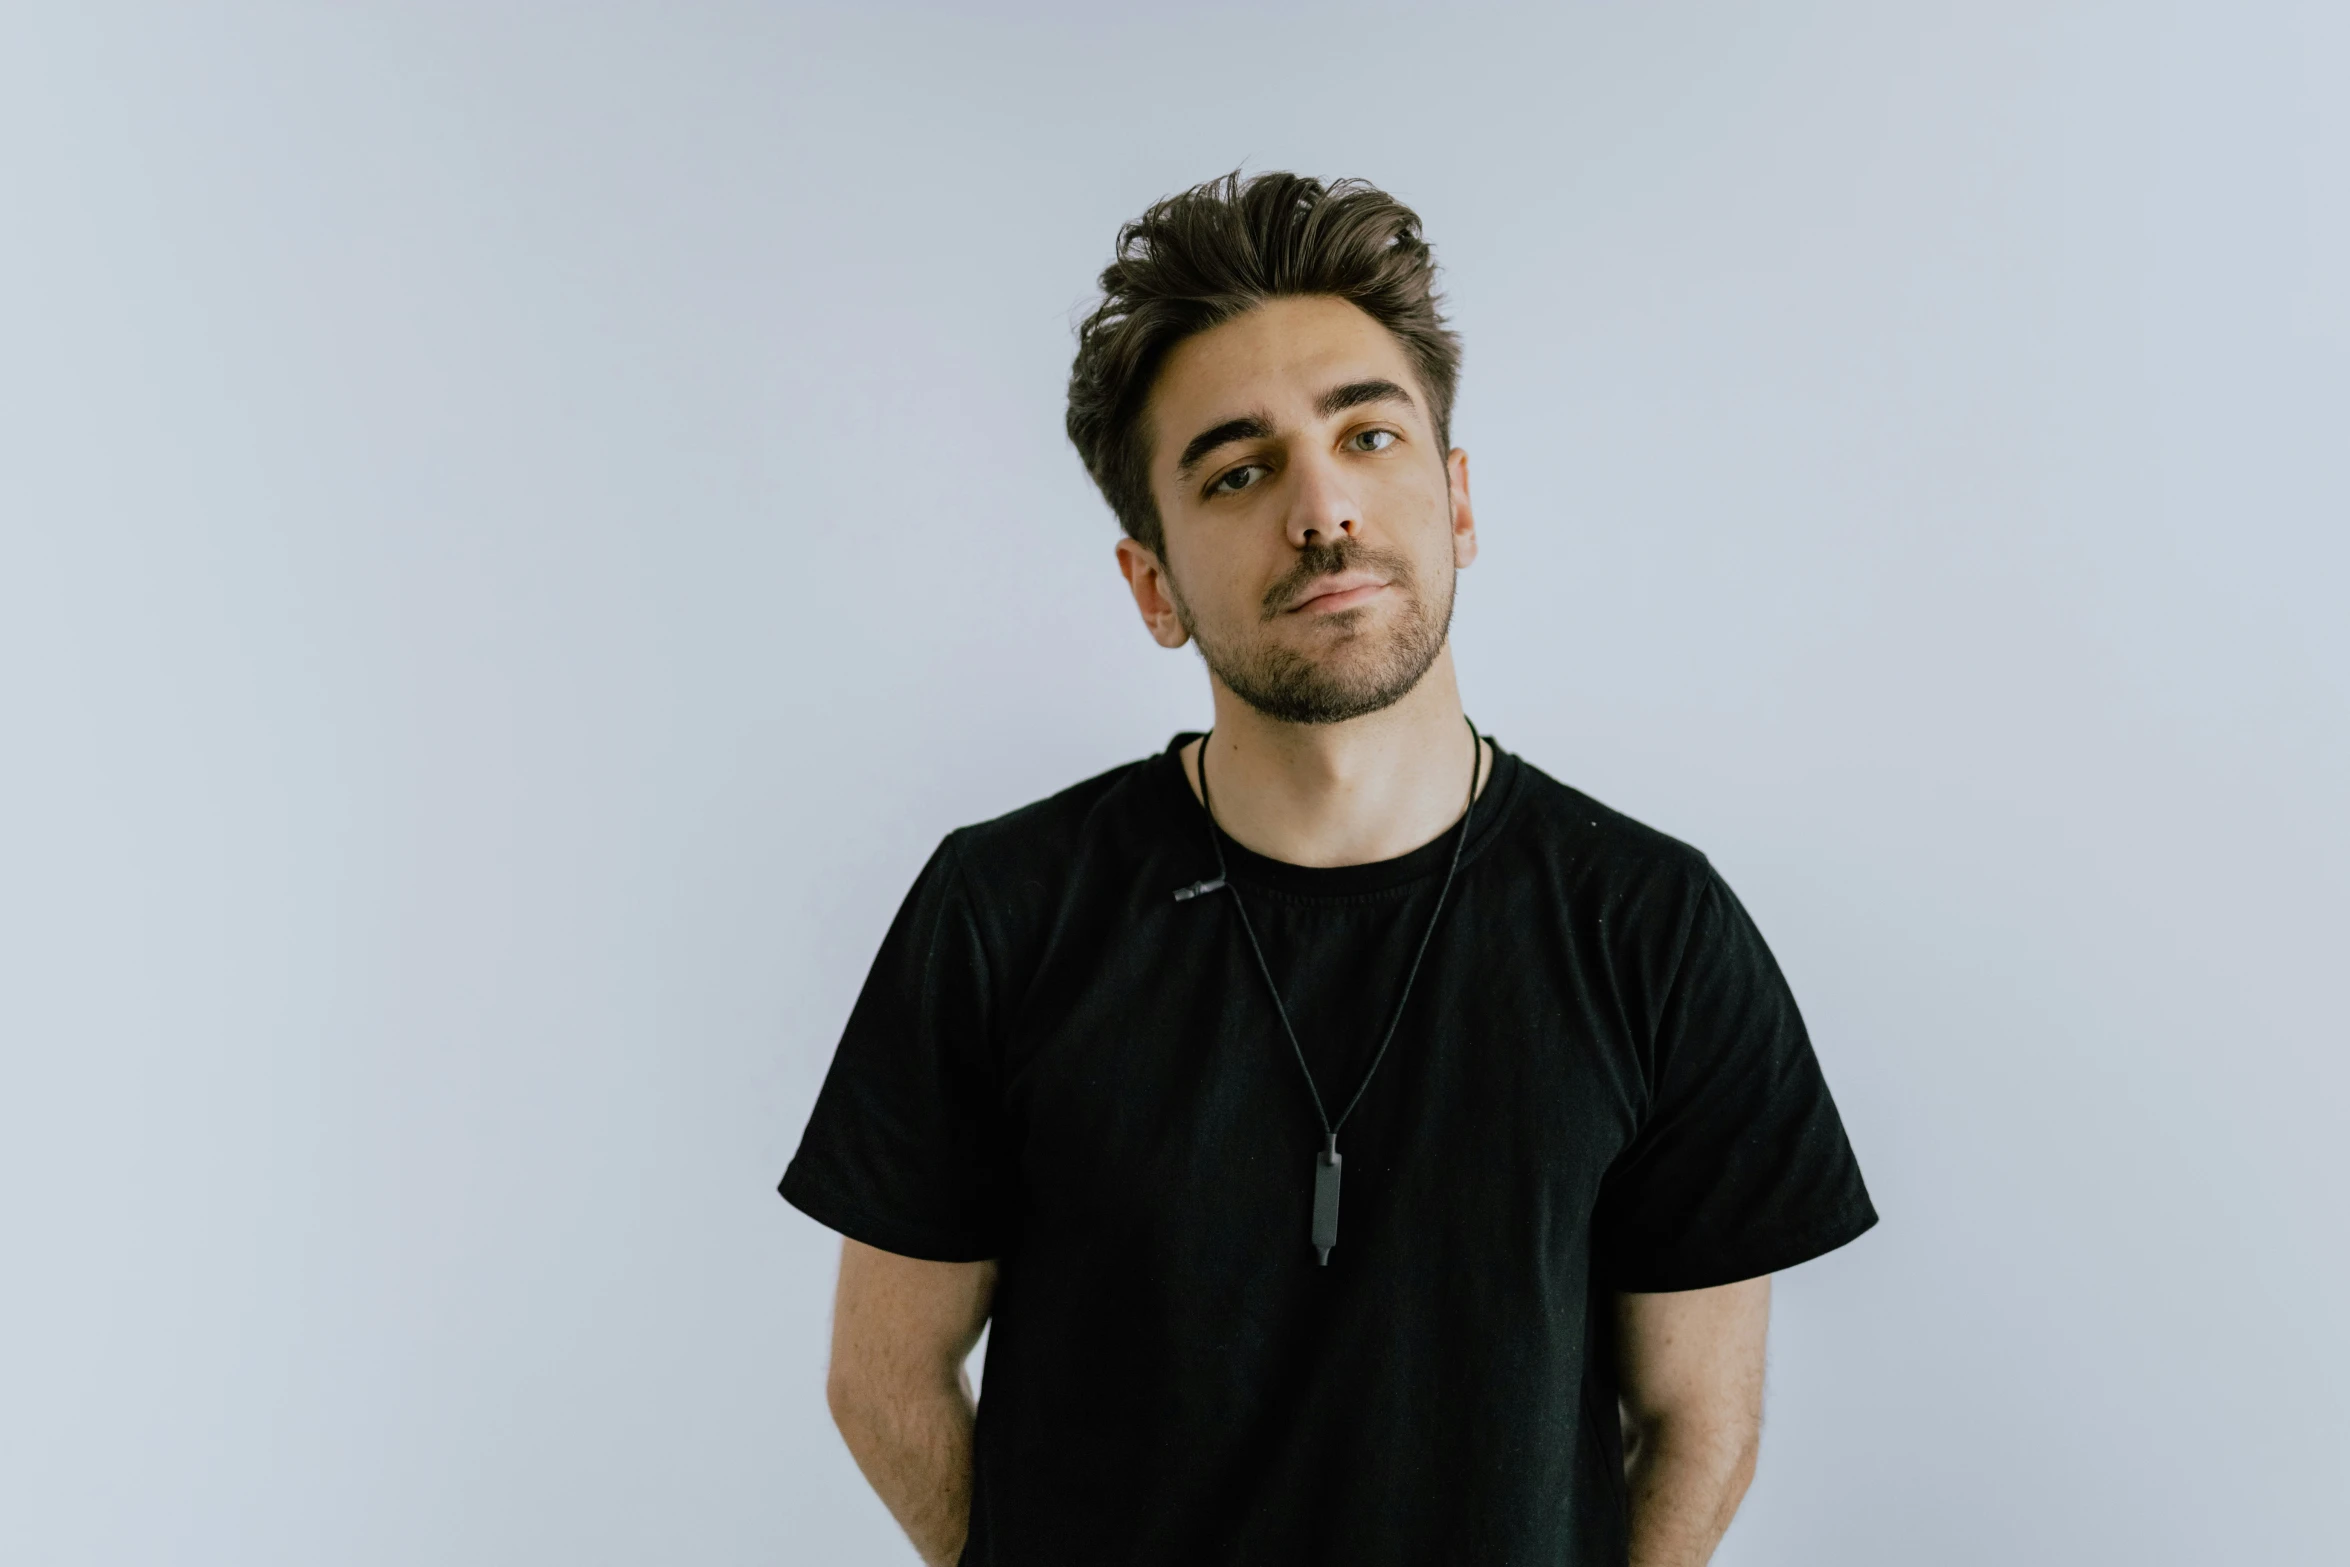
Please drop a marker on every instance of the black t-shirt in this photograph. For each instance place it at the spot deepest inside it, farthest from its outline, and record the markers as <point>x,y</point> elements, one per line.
<point>1600,1083</point>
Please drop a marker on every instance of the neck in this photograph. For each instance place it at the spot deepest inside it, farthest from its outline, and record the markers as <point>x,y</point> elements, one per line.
<point>1341,794</point>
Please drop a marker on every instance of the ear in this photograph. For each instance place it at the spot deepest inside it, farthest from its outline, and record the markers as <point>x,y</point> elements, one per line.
<point>1464,521</point>
<point>1154,596</point>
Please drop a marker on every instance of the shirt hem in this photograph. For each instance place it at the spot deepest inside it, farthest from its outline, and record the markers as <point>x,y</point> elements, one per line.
<point>1775,1255</point>
<point>821,1202</point>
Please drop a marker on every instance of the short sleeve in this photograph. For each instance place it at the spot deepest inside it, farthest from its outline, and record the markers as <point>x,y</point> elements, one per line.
<point>903,1150</point>
<point>1740,1166</point>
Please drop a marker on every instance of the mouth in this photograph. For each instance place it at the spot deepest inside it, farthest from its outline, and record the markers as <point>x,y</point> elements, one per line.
<point>1329,595</point>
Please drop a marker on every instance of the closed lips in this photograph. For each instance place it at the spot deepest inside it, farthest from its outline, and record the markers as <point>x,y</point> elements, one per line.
<point>1339,592</point>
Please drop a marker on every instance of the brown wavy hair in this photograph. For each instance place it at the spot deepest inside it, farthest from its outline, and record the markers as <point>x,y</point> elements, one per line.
<point>1205,255</point>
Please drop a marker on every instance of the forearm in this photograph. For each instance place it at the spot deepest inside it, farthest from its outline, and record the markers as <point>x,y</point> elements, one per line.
<point>901,1330</point>
<point>913,1443</point>
<point>1690,1375</point>
<point>1685,1481</point>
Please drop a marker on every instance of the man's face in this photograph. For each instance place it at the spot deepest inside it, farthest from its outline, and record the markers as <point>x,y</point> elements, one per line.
<point>1311,535</point>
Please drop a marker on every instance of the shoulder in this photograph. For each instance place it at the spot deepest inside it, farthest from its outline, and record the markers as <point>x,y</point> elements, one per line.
<point>1055,829</point>
<point>1068,863</point>
<point>1652,907</point>
<point>1573,831</point>
<point>1024,871</point>
<point>1606,877</point>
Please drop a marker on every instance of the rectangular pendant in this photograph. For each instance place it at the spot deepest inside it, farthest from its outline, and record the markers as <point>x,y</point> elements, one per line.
<point>1327,1164</point>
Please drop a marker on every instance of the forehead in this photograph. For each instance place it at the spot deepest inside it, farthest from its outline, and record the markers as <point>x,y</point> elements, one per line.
<point>1273,359</point>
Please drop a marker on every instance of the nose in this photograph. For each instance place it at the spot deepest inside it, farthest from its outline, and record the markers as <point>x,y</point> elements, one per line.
<point>1323,506</point>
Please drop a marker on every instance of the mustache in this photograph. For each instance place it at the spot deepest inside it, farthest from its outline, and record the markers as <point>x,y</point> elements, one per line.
<point>1316,561</point>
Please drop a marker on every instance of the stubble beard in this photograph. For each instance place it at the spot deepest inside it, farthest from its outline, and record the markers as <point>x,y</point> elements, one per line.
<point>1363,672</point>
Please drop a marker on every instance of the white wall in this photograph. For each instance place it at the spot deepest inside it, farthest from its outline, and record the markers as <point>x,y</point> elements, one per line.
<point>520,526</point>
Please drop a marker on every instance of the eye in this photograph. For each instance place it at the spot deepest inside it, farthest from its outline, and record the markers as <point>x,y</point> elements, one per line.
<point>1372,440</point>
<point>1236,480</point>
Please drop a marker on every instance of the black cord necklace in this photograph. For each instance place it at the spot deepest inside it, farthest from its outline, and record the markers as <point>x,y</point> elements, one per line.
<point>1327,1164</point>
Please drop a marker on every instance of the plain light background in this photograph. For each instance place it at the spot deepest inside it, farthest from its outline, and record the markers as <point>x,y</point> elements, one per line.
<point>520,526</point>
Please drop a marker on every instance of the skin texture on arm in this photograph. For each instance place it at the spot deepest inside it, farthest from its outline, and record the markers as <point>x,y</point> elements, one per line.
<point>901,1330</point>
<point>1690,1370</point>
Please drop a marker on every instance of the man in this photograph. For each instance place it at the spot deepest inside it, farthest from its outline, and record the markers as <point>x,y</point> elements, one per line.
<point>1366,1148</point>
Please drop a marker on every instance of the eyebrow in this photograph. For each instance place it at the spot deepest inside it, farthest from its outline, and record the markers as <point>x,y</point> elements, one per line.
<point>1356,393</point>
<point>1248,427</point>
<point>1255,427</point>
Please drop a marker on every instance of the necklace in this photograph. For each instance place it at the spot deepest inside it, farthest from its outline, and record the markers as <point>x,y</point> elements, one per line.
<point>1327,1164</point>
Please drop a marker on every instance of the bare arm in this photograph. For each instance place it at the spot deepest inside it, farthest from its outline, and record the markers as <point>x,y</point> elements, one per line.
<point>1690,1366</point>
<point>901,1329</point>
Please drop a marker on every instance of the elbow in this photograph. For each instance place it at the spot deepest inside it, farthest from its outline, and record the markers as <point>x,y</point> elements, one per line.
<point>1725,1444</point>
<point>1742,1469</point>
<point>842,1398</point>
<point>869,1400</point>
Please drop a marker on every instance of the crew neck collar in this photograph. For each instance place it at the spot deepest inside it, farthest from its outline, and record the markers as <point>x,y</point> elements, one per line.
<point>1261,871</point>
